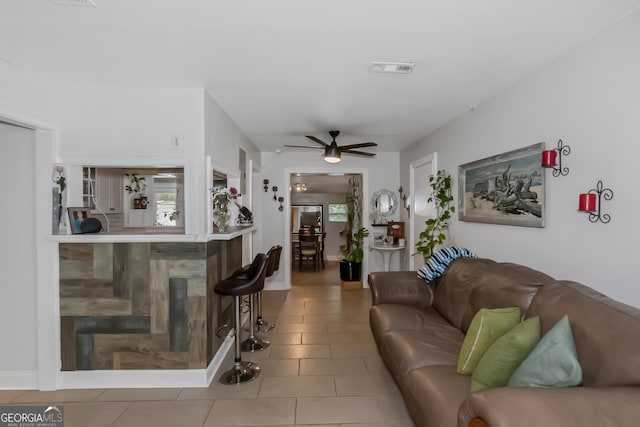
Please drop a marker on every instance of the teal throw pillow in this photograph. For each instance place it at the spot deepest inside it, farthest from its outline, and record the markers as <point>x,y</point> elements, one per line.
<point>505,355</point>
<point>552,363</point>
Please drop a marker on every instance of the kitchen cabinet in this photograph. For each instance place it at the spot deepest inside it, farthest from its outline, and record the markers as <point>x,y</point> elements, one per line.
<point>102,190</point>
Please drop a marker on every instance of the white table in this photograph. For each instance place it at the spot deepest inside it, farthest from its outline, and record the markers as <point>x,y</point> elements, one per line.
<point>387,251</point>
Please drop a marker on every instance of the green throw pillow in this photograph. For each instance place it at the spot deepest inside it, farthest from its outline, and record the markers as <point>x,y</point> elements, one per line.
<point>486,327</point>
<point>505,355</point>
<point>553,363</point>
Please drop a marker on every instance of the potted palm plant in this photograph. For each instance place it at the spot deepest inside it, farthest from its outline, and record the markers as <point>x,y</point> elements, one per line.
<point>138,186</point>
<point>354,234</point>
<point>441,197</point>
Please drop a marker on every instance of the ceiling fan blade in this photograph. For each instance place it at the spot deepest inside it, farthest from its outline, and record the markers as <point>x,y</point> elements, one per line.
<point>303,146</point>
<point>364,144</point>
<point>314,139</point>
<point>360,153</point>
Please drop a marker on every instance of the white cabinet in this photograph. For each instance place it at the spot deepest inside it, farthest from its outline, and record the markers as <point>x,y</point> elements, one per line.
<point>102,190</point>
<point>109,191</point>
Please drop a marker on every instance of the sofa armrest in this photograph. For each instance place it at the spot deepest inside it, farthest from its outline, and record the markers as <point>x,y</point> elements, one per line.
<point>399,287</point>
<point>543,407</point>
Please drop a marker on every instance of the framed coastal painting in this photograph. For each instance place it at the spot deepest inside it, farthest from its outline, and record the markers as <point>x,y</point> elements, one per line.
<point>504,189</point>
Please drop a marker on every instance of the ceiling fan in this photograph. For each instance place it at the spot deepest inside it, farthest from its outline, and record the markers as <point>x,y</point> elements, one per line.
<point>333,151</point>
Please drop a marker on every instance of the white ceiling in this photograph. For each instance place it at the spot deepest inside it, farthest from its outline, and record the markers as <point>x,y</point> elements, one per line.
<point>283,69</point>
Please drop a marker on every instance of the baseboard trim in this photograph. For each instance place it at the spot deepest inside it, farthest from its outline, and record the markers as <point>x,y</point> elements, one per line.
<point>218,359</point>
<point>18,380</point>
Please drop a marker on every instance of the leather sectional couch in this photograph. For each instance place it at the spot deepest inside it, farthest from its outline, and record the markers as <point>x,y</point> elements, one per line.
<point>419,329</point>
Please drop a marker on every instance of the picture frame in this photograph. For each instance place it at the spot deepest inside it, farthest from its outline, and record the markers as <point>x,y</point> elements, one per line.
<point>76,216</point>
<point>507,188</point>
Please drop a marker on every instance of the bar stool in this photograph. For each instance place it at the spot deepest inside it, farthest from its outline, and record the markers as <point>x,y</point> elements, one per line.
<point>238,285</point>
<point>272,266</point>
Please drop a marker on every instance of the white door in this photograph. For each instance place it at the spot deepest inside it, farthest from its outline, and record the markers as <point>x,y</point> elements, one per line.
<point>419,173</point>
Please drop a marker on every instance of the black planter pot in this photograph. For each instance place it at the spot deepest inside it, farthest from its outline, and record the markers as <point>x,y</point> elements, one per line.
<point>350,271</point>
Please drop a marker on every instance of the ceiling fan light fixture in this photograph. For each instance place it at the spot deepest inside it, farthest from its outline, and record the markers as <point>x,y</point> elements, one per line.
<point>332,154</point>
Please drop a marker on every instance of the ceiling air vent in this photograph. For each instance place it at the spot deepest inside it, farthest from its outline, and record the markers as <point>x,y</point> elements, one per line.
<point>391,67</point>
<point>73,3</point>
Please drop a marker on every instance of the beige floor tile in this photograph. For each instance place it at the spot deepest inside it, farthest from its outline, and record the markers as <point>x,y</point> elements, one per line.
<point>251,357</point>
<point>267,412</point>
<point>165,414</point>
<point>6,396</point>
<point>298,386</point>
<point>59,396</point>
<point>102,414</point>
<point>348,326</point>
<point>290,318</point>
<point>336,337</point>
<point>285,338</point>
<point>333,367</point>
<point>325,318</point>
<point>332,410</point>
<point>300,351</point>
<point>323,307</point>
<point>279,367</point>
<point>301,327</point>
<point>366,385</point>
<point>402,424</point>
<point>135,394</point>
<point>217,390</point>
<point>393,408</point>
<point>354,350</point>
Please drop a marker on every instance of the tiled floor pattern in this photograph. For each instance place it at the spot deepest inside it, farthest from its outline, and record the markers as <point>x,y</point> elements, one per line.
<point>322,369</point>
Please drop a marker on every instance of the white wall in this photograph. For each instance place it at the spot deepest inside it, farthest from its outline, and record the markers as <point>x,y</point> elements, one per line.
<point>589,99</point>
<point>382,171</point>
<point>18,254</point>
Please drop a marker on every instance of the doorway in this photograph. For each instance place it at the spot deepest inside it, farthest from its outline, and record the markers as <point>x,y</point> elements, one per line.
<point>419,173</point>
<point>318,187</point>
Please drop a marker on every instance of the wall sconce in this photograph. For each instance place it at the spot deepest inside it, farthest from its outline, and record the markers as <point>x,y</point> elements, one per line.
<point>275,190</point>
<point>281,207</point>
<point>403,197</point>
<point>300,186</point>
<point>587,203</point>
<point>266,185</point>
<point>553,158</point>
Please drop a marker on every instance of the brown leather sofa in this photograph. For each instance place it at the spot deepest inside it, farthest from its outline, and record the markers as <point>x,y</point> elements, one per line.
<point>419,329</point>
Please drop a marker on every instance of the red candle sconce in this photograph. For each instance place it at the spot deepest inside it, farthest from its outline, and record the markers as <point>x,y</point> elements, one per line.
<point>552,159</point>
<point>591,203</point>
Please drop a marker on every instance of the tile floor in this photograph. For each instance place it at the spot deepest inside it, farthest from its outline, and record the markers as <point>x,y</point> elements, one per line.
<point>322,369</point>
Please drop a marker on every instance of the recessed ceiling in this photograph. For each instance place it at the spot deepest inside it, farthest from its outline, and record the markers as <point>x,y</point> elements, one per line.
<point>283,69</point>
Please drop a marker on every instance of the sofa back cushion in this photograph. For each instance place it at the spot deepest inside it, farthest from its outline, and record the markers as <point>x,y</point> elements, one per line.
<point>453,288</point>
<point>606,332</point>
<point>470,284</point>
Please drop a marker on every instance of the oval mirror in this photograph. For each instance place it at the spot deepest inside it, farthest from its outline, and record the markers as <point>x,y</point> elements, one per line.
<point>384,203</point>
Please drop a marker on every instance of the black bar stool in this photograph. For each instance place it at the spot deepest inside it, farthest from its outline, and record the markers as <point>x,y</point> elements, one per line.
<point>243,282</point>
<point>272,266</point>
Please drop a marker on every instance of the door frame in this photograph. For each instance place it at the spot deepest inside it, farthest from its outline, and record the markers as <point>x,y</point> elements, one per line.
<point>430,158</point>
<point>286,248</point>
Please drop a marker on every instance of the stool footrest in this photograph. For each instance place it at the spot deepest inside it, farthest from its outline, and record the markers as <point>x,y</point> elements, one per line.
<point>242,372</point>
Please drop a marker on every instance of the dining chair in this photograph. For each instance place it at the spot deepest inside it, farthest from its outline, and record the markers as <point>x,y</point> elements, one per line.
<point>308,251</point>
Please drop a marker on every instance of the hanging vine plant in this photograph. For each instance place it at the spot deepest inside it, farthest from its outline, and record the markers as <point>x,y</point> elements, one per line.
<point>441,198</point>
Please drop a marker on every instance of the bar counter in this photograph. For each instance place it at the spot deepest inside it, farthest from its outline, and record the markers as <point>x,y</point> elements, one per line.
<point>143,302</point>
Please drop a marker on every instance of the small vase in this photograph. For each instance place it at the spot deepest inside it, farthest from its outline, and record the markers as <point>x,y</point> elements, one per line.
<point>221,219</point>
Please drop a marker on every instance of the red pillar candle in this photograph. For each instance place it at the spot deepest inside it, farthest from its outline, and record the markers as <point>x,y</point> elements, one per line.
<point>549,158</point>
<point>587,202</point>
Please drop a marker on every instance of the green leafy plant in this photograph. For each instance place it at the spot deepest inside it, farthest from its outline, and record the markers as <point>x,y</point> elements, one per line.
<point>441,198</point>
<point>137,183</point>
<point>353,232</point>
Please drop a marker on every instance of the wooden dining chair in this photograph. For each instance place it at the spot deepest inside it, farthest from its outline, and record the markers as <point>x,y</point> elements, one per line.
<point>308,251</point>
